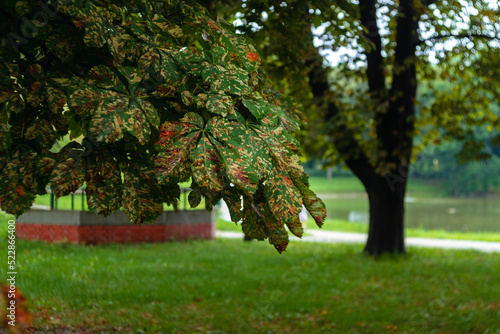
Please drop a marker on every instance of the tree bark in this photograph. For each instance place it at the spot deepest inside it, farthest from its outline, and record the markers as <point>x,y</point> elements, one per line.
<point>386,200</point>
<point>394,126</point>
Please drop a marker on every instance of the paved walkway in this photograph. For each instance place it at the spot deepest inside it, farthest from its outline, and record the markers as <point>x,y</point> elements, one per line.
<point>344,237</point>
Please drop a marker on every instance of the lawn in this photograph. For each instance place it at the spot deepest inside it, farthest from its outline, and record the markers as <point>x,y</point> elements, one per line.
<point>228,286</point>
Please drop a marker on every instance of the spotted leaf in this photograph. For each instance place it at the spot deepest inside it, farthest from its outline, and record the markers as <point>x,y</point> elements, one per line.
<point>206,167</point>
<point>69,174</point>
<point>172,165</point>
<point>285,201</point>
<point>313,203</point>
<point>139,204</point>
<point>103,179</point>
<point>17,184</point>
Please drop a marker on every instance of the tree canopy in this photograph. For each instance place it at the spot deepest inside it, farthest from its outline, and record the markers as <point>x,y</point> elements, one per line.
<point>364,110</point>
<point>151,94</point>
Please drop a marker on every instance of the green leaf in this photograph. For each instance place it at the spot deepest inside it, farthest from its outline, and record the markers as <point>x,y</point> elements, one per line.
<point>139,204</point>
<point>170,194</point>
<point>194,197</point>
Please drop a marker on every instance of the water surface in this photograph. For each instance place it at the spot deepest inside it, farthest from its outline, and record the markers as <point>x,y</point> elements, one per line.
<point>452,214</point>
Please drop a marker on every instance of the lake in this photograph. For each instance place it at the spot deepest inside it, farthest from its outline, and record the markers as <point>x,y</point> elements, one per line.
<point>451,214</point>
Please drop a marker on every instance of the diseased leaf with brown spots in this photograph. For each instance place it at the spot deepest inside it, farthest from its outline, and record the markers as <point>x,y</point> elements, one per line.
<point>171,130</point>
<point>43,171</point>
<point>206,168</point>
<point>220,105</point>
<point>85,100</point>
<point>103,77</point>
<point>120,113</point>
<point>103,179</point>
<point>313,203</point>
<point>234,204</point>
<point>283,148</point>
<point>96,34</point>
<point>253,225</point>
<point>5,137</point>
<point>111,73</point>
<point>284,200</point>
<point>239,171</point>
<point>120,45</point>
<point>42,132</point>
<point>259,223</point>
<point>172,165</point>
<point>234,81</point>
<point>194,197</point>
<point>137,201</point>
<point>18,183</point>
<point>247,145</point>
<point>56,98</point>
<point>69,174</point>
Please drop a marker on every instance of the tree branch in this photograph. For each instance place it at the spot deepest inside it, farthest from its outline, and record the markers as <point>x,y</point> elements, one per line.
<point>343,136</point>
<point>459,36</point>
<point>375,70</point>
<point>428,2</point>
<point>395,127</point>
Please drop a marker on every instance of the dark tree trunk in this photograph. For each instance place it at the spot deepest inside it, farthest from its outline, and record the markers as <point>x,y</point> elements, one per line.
<point>386,199</point>
<point>394,126</point>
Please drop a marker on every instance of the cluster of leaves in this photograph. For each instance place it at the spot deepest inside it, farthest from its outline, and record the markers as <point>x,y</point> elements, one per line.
<point>457,40</point>
<point>151,94</point>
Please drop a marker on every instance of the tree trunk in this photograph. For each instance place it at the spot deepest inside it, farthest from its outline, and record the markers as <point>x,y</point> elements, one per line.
<point>394,126</point>
<point>386,200</point>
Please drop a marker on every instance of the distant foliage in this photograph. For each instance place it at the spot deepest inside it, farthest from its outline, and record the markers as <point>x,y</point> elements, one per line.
<point>151,94</point>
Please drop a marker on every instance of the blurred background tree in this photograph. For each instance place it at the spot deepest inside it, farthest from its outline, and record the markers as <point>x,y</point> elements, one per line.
<point>363,106</point>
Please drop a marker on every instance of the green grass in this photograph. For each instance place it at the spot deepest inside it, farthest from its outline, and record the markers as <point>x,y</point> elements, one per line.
<point>228,286</point>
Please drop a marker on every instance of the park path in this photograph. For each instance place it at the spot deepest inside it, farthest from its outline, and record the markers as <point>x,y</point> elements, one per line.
<point>345,237</point>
